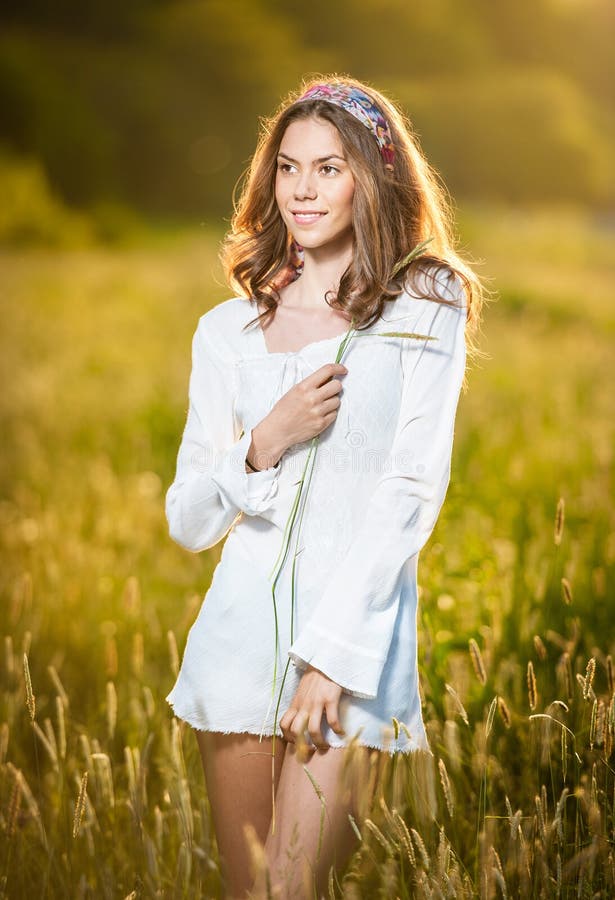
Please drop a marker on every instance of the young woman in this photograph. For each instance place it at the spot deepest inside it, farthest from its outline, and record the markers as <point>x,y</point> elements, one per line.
<point>341,241</point>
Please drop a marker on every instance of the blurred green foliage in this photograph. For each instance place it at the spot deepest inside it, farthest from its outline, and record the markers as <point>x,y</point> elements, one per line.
<point>156,104</point>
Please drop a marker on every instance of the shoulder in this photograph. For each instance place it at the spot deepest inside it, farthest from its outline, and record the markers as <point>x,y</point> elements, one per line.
<point>436,301</point>
<point>435,298</point>
<point>434,284</point>
<point>220,328</point>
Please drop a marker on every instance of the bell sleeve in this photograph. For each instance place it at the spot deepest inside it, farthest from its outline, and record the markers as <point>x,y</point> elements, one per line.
<point>348,635</point>
<point>211,487</point>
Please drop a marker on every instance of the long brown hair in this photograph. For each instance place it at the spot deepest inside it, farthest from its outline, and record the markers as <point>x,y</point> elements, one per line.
<point>393,212</point>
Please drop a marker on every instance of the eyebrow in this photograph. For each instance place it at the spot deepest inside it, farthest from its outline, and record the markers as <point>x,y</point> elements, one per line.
<point>319,160</point>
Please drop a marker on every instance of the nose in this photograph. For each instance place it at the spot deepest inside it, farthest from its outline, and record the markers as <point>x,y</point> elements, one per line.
<point>305,185</point>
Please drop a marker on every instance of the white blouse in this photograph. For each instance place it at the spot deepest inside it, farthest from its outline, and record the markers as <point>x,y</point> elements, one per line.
<point>378,481</point>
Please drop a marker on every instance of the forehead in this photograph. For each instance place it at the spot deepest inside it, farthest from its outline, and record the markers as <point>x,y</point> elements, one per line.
<point>310,133</point>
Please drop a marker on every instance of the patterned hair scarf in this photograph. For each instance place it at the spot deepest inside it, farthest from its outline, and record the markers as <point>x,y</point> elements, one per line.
<point>363,108</point>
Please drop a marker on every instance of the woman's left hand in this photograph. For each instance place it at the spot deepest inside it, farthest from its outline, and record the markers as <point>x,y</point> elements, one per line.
<point>316,694</point>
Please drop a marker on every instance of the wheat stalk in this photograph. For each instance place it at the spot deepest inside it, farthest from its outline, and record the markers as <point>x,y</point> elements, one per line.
<point>111,709</point>
<point>414,254</point>
<point>80,805</point>
<point>406,839</point>
<point>559,522</point>
<point>590,671</point>
<point>477,661</point>
<point>609,674</point>
<point>458,704</point>
<point>173,652</point>
<point>30,698</point>
<point>446,787</point>
<point>4,741</point>
<point>421,848</point>
<point>504,712</point>
<point>57,683</point>
<point>13,808</point>
<point>47,744</point>
<point>540,648</point>
<point>566,591</point>
<point>371,826</point>
<point>323,806</point>
<point>531,685</point>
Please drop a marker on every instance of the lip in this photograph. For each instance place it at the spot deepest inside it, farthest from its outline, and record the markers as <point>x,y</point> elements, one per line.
<point>307,217</point>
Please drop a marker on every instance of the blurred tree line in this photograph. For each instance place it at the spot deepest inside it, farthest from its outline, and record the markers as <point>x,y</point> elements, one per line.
<point>156,103</point>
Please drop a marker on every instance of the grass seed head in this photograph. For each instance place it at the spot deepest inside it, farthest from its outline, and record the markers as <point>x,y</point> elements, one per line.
<point>477,661</point>
<point>609,674</point>
<point>30,698</point>
<point>458,704</point>
<point>532,693</point>
<point>541,650</point>
<point>559,522</point>
<point>111,709</point>
<point>504,712</point>
<point>590,671</point>
<point>80,805</point>
<point>446,788</point>
<point>566,592</point>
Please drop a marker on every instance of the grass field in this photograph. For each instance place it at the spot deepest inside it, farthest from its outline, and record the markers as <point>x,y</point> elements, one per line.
<point>101,791</point>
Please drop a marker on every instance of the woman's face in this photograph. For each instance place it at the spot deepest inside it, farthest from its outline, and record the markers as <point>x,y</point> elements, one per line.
<point>314,186</point>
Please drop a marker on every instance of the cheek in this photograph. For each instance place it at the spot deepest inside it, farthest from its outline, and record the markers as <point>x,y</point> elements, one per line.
<point>279,192</point>
<point>346,197</point>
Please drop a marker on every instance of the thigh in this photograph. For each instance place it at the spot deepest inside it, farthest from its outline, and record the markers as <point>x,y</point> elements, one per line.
<point>312,827</point>
<point>239,773</point>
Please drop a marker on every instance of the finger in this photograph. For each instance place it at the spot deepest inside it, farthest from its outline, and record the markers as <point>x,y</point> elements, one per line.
<point>314,730</point>
<point>330,389</point>
<point>332,710</point>
<point>329,370</point>
<point>299,724</point>
<point>330,406</point>
<point>304,746</point>
<point>288,716</point>
<point>286,722</point>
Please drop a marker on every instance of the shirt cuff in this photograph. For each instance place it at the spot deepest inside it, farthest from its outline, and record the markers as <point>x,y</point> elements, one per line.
<point>252,493</point>
<point>355,669</point>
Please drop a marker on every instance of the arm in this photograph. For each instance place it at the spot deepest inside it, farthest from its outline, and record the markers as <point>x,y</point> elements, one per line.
<point>211,485</point>
<point>350,631</point>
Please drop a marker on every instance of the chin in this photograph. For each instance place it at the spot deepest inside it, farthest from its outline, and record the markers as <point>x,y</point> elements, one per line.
<point>316,242</point>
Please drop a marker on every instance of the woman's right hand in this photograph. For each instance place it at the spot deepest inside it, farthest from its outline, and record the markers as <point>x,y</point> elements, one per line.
<point>304,411</point>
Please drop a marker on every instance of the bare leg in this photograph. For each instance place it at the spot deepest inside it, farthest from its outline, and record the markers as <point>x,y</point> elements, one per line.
<point>238,774</point>
<point>307,842</point>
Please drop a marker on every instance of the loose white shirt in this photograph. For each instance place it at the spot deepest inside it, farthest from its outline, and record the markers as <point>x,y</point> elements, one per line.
<point>378,481</point>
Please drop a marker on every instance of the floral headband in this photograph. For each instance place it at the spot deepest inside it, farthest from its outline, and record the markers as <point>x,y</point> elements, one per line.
<point>362,107</point>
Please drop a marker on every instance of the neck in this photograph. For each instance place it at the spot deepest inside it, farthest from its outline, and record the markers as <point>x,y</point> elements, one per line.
<point>322,270</point>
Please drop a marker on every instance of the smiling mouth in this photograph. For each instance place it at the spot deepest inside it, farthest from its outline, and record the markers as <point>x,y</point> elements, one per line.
<point>305,218</point>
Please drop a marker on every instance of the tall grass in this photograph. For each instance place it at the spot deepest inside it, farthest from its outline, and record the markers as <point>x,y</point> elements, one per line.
<point>101,791</point>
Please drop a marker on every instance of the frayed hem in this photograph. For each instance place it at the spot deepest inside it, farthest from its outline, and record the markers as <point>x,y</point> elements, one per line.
<point>392,751</point>
<point>411,747</point>
<point>190,720</point>
<point>238,731</point>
